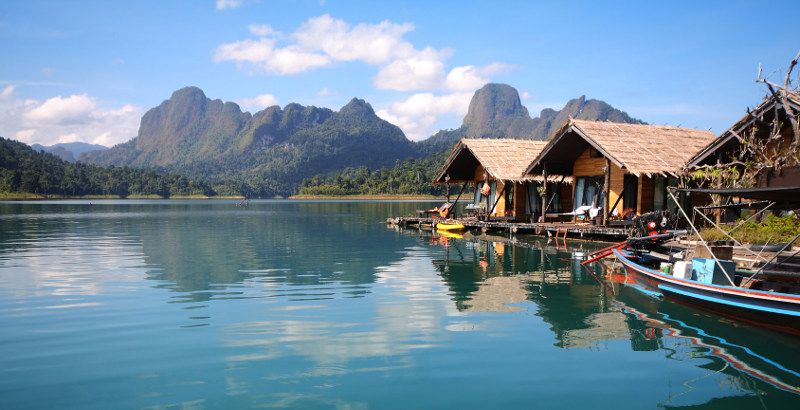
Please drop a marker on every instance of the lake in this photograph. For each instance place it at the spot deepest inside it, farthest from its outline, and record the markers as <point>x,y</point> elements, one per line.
<point>315,304</point>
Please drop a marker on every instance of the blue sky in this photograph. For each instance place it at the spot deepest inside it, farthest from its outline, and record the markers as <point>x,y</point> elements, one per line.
<point>88,70</point>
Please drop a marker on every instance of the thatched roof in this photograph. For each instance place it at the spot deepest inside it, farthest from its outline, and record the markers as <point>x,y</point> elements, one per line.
<point>641,149</point>
<point>730,139</point>
<point>503,159</point>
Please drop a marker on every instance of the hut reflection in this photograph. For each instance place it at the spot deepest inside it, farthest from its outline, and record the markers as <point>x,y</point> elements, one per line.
<point>490,273</point>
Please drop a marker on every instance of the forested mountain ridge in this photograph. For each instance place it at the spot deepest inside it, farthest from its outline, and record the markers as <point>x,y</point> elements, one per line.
<point>496,111</point>
<point>68,151</point>
<point>272,150</point>
<point>25,171</point>
<point>275,151</point>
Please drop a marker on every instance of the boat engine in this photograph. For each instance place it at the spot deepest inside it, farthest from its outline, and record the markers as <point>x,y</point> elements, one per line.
<point>653,224</point>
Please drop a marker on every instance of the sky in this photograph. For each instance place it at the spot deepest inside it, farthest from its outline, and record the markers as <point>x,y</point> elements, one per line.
<point>88,70</point>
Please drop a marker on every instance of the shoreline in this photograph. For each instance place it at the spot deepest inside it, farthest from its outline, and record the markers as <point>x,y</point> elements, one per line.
<point>38,197</point>
<point>368,196</point>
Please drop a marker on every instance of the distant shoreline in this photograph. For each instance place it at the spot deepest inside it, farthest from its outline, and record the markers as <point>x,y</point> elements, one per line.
<point>365,196</point>
<point>39,197</point>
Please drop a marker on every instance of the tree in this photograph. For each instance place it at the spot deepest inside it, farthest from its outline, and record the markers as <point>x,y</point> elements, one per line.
<point>764,145</point>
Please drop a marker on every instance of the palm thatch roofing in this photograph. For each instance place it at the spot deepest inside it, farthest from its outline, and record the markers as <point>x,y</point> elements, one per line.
<point>759,116</point>
<point>503,159</point>
<point>639,148</point>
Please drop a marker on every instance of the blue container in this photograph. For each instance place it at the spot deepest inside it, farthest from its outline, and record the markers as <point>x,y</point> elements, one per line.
<point>707,271</point>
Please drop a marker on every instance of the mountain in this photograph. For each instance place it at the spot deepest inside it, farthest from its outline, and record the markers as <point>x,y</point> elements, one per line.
<point>273,149</point>
<point>495,111</point>
<point>68,151</point>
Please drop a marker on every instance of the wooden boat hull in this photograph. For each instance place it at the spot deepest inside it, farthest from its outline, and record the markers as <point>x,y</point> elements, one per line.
<point>449,226</point>
<point>773,310</point>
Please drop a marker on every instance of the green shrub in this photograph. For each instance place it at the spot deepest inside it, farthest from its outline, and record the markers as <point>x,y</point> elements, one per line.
<point>771,230</point>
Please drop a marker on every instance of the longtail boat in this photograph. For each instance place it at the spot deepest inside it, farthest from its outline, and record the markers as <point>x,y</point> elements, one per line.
<point>771,309</point>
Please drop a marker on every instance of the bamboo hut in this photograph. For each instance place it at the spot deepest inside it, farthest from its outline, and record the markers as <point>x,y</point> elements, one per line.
<point>495,169</point>
<point>764,137</point>
<point>618,167</point>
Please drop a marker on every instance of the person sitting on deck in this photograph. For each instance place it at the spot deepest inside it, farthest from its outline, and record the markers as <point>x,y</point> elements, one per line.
<point>444,211</point>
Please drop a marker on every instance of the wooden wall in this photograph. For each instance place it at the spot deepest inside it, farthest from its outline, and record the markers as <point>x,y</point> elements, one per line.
<point>586,166</point>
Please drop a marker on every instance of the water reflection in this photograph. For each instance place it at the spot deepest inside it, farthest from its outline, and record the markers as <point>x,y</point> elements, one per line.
<point>494,273</point>
<point>201,303</point>
<point>587,310</point>
<point>749,356</point>
<point>199,247</point>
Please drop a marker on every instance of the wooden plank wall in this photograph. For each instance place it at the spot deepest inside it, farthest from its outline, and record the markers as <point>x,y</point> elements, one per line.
<point>586,166</point>
<point>500,209</point>
<point>617,185</point>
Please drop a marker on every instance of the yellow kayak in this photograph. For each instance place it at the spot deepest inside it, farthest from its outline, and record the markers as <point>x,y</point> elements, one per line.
<point>449,226</point>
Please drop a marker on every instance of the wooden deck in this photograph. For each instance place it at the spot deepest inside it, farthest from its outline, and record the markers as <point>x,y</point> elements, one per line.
<point>549,228</point>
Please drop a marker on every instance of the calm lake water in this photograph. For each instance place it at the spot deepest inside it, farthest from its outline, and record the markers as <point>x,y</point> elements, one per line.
<point>203,304</point>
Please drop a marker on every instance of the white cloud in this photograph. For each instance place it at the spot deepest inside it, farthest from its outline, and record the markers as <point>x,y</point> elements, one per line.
<point>422,71</point>
<point>258,103</point>
<point>323,92</point>
<point>228,4</point>
<point>248,51</point>
<point>371,43</point>
<point>74,137</point>
<point>427,103</point>
<point>66,119</point>
<point>323,41</point>
<point>414,128</point>
<point>24,135</point>
<point>293,60</point>
<point>417,115</point>
<point>264,56</point>
<point>58,110</point>
<point>471,78</point>
<point>262,30</point>
<point>8,91</point>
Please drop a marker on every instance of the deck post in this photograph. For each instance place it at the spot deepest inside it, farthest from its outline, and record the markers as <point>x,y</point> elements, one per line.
<point>544,192</point>
<point>607,191</point>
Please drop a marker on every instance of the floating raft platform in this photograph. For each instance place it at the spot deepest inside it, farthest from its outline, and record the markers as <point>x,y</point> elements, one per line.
<point>549,229</point>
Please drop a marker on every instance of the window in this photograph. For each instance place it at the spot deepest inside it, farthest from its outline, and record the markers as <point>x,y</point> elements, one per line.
<point>480,198</point>
<point>662,200</point>
<point>630,192</point>
<point>589,191</point>
<point>534,206</point>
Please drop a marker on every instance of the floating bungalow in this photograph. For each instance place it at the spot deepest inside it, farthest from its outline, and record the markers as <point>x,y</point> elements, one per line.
<point>495,168</point>
<point>591,170</point>
<point>616,168</point>
<point>769,129</point>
